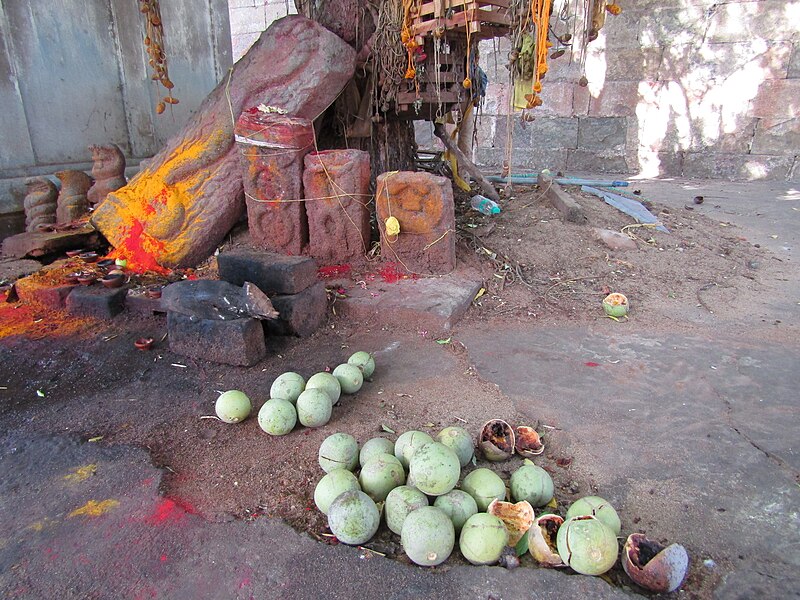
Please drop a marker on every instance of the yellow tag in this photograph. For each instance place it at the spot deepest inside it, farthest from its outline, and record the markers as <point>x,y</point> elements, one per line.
<point>392,227</point>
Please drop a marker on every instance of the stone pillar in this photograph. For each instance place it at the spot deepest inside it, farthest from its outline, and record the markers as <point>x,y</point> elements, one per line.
<point>271,148</point>
<point>336,186</point>
<point>423,205</point>
<point>72,201</point>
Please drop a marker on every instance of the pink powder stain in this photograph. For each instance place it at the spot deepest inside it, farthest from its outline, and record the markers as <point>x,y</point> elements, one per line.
<point>169,511</point>
<point>591,364</point>
<point>163,558</point>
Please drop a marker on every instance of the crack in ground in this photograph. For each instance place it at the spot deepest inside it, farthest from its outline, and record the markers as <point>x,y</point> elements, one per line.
<point>776,460</point>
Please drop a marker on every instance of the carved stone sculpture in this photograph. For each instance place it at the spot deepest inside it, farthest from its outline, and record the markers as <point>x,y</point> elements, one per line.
<point>272,148</point>
<point>423,205</point>
<point>108,171</point>
<point>181,205</point>
<point>336,183</point>
<point>40,203</point>
<point>72,202</point>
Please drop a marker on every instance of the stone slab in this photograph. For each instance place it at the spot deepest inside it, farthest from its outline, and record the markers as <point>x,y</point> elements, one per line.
<point>96,301</point>
<point>300,314</point>
<point>44,243</point>
<point>52,297</point>
<point>430,304</point>
<point>13,269</point>
<point>238,342</point>
<point>272,273</point>
<point>568,207</point>
<point>604,133</point>
<point>780,136</point>
<point>138,302</point>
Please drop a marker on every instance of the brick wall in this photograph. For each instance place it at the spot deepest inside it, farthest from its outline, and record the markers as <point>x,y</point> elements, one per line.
<point>690,88</point>
<point>250,17</point>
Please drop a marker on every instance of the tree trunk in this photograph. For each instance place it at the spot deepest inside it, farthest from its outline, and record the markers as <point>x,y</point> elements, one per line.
<point>351,122</point>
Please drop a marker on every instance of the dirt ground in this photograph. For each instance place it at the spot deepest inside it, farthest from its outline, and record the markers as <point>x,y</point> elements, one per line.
<point>83,377</point>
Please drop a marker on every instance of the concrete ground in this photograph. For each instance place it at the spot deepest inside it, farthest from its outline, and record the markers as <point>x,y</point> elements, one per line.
<point>691,432</point>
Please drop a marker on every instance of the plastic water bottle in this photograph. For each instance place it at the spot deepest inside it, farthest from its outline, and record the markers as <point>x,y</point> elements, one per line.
<point>484,205</point>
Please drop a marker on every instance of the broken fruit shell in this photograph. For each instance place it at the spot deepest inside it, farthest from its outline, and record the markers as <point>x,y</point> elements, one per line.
<point>435,469</point>
<point>277,416</point>
<point>373,447</point>
<point>428,536</point>
<point>353,518</point>
<point>327,383</point>
<point>400,503</point>
<point>232,406</point>
<point>484,485</point>
<point>338,451</point>
<point>332,486</point>
<point>587,545</point>
<point>542,541</point>
<point>350,378</point>
<point>616,305</point>
<point>528,442</point>
<point>364,361</point>
<point>652,566</point>
<point>408,443</point>
<point>517,518</point>
<point>314,408</point>
<point>288,386</point>
<point>596,507</point>
<point>458,505</point>
<point>532,483</point>
<point>380,476</point>
<point>496,440</point>
<point>482,539</point>
<point>459,441</point>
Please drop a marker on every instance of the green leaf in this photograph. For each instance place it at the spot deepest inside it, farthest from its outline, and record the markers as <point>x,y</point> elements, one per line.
<point>387,429</point>
<point>522,545</point>
<point>40,393</point>
<point>443,342</point>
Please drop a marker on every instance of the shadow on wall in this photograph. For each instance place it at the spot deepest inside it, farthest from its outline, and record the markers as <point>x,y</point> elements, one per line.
<point>676,88</point>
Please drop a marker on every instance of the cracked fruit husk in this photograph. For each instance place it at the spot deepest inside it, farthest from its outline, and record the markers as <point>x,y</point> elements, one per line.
<point>434,469</point>
<point>233,406</point>
<point>277,416</point>
<point>528,442</point>
<point>459,441</point>
<point>314,408</point>
<point>597,507</point>
<point>350,378</point>
<point>401,502</point>
<point>458,505</point>
<point>587,545</point>
<point>332,486</point>
<point>408,443</point>
<point>428,536</point>
<point>484,485</point>
<point>517,518</point>
<point>482,539</point>
<point>327,383</point>
<point>380,476</point>
<point>364,361</point>
<point>496,440</point>
<point>353,518</point>
<point>652,566</point>
<point>616,305</point>
<point>288,386</point>
<point>338,451</point>
<point>532,483</point>
<point>542,541</point>
<point>373,447</point>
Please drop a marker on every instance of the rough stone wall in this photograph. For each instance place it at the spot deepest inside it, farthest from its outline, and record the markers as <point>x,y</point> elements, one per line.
<point>250,17</point>
<point>677,88</point>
